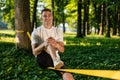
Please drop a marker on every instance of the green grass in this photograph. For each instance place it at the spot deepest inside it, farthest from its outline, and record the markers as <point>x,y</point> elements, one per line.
<point>91,52</point>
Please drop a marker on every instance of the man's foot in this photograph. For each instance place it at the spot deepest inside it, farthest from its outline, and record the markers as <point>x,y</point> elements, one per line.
<point>58,63</point>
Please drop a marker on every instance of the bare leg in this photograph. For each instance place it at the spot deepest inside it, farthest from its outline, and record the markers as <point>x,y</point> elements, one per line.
<point>51,51</point>
<point>55,57</point>
<point>68,76</point>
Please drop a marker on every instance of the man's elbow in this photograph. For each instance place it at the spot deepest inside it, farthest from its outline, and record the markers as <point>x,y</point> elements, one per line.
<point>34,53</point>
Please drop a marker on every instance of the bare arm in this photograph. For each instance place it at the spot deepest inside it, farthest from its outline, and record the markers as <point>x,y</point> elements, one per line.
<point>60,46</point>
<point>38,48</point>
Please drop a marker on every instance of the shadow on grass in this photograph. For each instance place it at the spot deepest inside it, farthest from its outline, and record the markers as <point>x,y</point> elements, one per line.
<point>6,46</point>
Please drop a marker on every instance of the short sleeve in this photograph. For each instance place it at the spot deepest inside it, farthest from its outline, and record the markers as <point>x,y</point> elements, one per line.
<point>34,37</point>
<point>59,35</point>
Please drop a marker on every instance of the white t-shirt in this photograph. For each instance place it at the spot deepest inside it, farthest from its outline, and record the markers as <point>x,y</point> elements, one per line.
<point>41,34</point>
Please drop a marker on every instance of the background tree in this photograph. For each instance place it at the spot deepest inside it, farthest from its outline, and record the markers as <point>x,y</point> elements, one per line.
<point>79,27</point>
<point>108,12</point>
<point>7,13</point>
<point>52,6</point>
<point>59,10</point>
<point>94,19</point>
<point>86,29</point>
<point>119,19</point>
<point>34,18</point>
<point>107,21</point>
<point>71,14</point>
<point>102,19</point>
<point>22,24</point>
<point>116,17</point>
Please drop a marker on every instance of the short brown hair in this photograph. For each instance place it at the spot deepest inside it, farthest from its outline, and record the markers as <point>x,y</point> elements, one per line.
<point>46,9</point>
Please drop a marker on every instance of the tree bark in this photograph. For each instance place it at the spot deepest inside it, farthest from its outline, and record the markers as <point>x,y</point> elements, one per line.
<point>95,7</point>
<point>101,20</point>
<point>64,29</point>
<point>88,26</point>
<point>79,28</point>
<point>107,22</point>
<point>34,18</point>
<point>119,22</point>
<point>86,17</point>
<point>22,24</point>
<point>52,6</point>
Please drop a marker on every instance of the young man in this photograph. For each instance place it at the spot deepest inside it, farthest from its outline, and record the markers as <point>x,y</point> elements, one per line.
<point>47,41</point>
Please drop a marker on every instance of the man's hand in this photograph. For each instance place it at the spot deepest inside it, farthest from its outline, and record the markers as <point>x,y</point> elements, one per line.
<point>52,42</point>
<point>58,45</point>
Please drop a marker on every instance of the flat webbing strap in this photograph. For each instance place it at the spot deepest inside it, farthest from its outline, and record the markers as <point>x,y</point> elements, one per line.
<point>111,74</point>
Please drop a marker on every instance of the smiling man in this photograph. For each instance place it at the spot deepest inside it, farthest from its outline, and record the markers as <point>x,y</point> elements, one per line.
<point>47,41</point>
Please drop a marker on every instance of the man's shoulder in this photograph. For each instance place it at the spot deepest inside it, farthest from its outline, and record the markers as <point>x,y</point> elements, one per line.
<point>37,29</point>
<point>57,28</point>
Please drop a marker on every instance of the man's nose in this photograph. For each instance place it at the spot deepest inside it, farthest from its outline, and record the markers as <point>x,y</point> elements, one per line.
<point>47,17</point>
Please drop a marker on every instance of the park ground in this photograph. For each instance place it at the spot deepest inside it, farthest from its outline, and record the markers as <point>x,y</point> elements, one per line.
<point>91,52</point>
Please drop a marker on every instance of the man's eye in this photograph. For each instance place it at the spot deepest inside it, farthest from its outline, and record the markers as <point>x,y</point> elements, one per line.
<point>44,16</point>
<point>47,16</point>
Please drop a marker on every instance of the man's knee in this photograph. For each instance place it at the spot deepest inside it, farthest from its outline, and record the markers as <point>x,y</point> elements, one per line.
<point>68,76</point>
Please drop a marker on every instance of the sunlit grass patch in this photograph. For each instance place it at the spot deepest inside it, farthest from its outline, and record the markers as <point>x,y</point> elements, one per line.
<point>7,36</point>
<point>11,32</point>
<point>92,40</point>
<point>12,40</point>
<point>70,34</point>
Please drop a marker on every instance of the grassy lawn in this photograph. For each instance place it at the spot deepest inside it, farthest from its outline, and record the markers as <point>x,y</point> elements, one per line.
<point>91,52</point>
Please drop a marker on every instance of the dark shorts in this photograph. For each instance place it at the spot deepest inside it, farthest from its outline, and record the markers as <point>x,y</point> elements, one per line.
<point>44,60</point>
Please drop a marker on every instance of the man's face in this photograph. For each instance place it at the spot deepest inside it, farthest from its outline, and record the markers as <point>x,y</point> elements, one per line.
<point>47,18</point>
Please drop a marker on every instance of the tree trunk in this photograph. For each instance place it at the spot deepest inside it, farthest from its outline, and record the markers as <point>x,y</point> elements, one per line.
<point>119,20</point>
<point>119,24</point>
<point>79,28</point>
<point>22,24</point>
<point>34,19</point>
<point>88,26</point>
<point>116,21</point>
<point>101,20</point>
<point>107,23</point>
<point>64,29</point>
<point>95,7</point>
<point>52,6</point>
<point>85,19</point>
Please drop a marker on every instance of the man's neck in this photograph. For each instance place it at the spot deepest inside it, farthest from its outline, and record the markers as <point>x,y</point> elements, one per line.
<point>48,27</point>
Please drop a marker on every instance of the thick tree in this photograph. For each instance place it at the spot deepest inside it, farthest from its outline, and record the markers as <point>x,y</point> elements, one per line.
<point>22,24</point>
